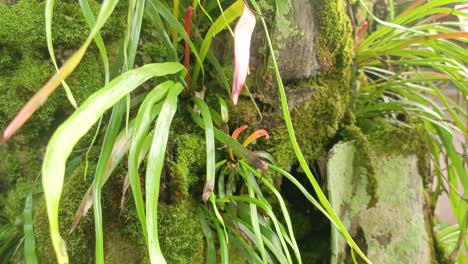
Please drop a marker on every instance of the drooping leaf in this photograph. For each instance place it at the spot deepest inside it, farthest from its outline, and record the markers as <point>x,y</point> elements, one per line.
<point>154,169</point>
<point>142,127</point>
<point>210,149</point>
<point>68,134</point>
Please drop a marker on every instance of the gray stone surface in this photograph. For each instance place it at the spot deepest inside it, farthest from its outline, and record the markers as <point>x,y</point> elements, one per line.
<point>392,231</point>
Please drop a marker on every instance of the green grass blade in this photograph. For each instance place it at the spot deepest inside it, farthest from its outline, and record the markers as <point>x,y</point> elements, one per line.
<point>134,27</point>
<point>210,149</point>
<point>154,16</point>
<point>254,218</point>
<point>154,168</point>
<point>109,139</point>
<point>29,240</point>
<point>283,207</point>
<point>68,134</point>
<point>49,11</point>
<point>303,163</point>
<point>90,20</point>
<point>142,125</point>
<point>223,248</point>
<point>210,243</point>
<point>218,215</point>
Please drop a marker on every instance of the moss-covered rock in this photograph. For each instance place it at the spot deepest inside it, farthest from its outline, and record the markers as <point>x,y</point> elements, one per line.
<point>395,225</point>
<point>319,104</point>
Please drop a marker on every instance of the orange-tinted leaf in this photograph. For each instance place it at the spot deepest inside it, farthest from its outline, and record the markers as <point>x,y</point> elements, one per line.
<point>255,135</point>
<point>238,130</point>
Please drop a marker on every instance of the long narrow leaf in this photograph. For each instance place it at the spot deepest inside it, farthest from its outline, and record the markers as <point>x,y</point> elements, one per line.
<point>29,240</point>
<point>49,11</point>
<point>154,168</point>
<point>210,149</point>
<point>303,163</point>
<point>90,20</point>
<point>142,126</point>
<point>68,134</point>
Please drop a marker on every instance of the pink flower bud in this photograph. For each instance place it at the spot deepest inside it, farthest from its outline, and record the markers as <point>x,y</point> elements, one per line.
<point>242,36</point>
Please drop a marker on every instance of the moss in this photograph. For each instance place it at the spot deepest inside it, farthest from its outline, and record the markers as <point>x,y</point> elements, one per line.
<point>334,38</point>
<point>389,139</point>
<point>81,240</point>
<point>26,67</point>
<point>186,164</point>
<point>362,163</point>
<point>180,233</point>
<point>152,46</point>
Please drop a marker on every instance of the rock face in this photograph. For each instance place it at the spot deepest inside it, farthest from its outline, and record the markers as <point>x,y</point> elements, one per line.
<point>393,229</point>
<point>297,49</point>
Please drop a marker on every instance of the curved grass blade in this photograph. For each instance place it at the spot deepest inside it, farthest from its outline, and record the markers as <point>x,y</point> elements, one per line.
<point>29,240</point>
<point>297,150</point>
<point>90,20</point>
<point>254,218</point>
<point>248,252</point>
<point>135,19</point>
<point>210,149</point>
<point>223,249</point>
<point>154,15</point>
<point>142,125</point>
<point>49,11</point>
<point>154,168</point>
<point>68,134</point>
<point>67,68</point>
<point>210,243</point>
<point>284,210</point>
<point>223,21</point>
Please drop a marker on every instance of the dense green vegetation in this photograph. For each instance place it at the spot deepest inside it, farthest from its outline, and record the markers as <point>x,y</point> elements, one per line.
<point>157,144</point>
